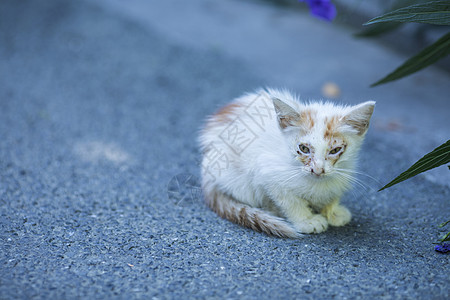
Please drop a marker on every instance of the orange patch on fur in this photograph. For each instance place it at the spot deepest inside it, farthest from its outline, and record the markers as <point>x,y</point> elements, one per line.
<point>226,208</point>
<point>306,160</point>
<point>226,113</point>
<point>331,127</point>
<point>307,119</point>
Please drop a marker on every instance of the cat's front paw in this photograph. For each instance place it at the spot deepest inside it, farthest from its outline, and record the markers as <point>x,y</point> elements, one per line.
<point>339,216</point>
<point>313,224</point>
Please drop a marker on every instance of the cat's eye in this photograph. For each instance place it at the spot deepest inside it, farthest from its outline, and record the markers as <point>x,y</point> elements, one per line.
<point>304,149</point>
<point>335,150</point>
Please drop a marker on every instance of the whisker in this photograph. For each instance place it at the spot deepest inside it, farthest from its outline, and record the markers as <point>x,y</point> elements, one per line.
<point>359,173</point>
<point>362,189</point>
<point>352,179</point>
<point>352,172</point>
<point>294,172</point>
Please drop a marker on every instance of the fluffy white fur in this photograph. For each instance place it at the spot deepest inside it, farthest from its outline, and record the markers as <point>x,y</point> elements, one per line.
<point>255,173</point>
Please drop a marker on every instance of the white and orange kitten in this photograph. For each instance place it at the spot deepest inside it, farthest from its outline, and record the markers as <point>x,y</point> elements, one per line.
<point>280,166</point>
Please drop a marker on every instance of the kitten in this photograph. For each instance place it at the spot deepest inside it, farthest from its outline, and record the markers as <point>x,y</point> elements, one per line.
<point>280,166</point>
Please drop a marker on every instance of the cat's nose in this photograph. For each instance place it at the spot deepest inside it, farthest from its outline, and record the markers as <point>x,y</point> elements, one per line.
<point>317,171</point>
<point>318,168</point>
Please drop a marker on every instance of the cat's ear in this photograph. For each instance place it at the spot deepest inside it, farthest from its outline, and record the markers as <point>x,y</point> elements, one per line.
<point>359,116</point>
<point>286,115</point>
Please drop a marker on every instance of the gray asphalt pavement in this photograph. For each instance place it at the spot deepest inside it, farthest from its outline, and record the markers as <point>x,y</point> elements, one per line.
<point>100,106</point>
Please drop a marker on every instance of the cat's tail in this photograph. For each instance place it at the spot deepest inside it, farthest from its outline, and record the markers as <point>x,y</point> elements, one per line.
<point>254,218</point>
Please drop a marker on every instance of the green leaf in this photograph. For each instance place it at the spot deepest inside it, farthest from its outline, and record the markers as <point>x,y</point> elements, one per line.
<point>445,238</point>
<point>385,27</point>
<point>443,224</point>
<point>437,157</point>
<point>428,56</point>
<point>434,12</point>
<point>378,29</point>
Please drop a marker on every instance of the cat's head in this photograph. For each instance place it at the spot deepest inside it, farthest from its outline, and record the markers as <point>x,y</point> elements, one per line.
<point>324,138</point>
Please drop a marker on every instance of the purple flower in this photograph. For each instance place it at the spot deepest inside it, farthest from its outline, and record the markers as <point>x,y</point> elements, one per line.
<point>322,8</point>
<point>443,248</point>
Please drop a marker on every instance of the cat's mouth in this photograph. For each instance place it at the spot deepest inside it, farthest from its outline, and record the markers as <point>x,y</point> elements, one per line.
<point>319,176</point>
<point>318,173</point>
